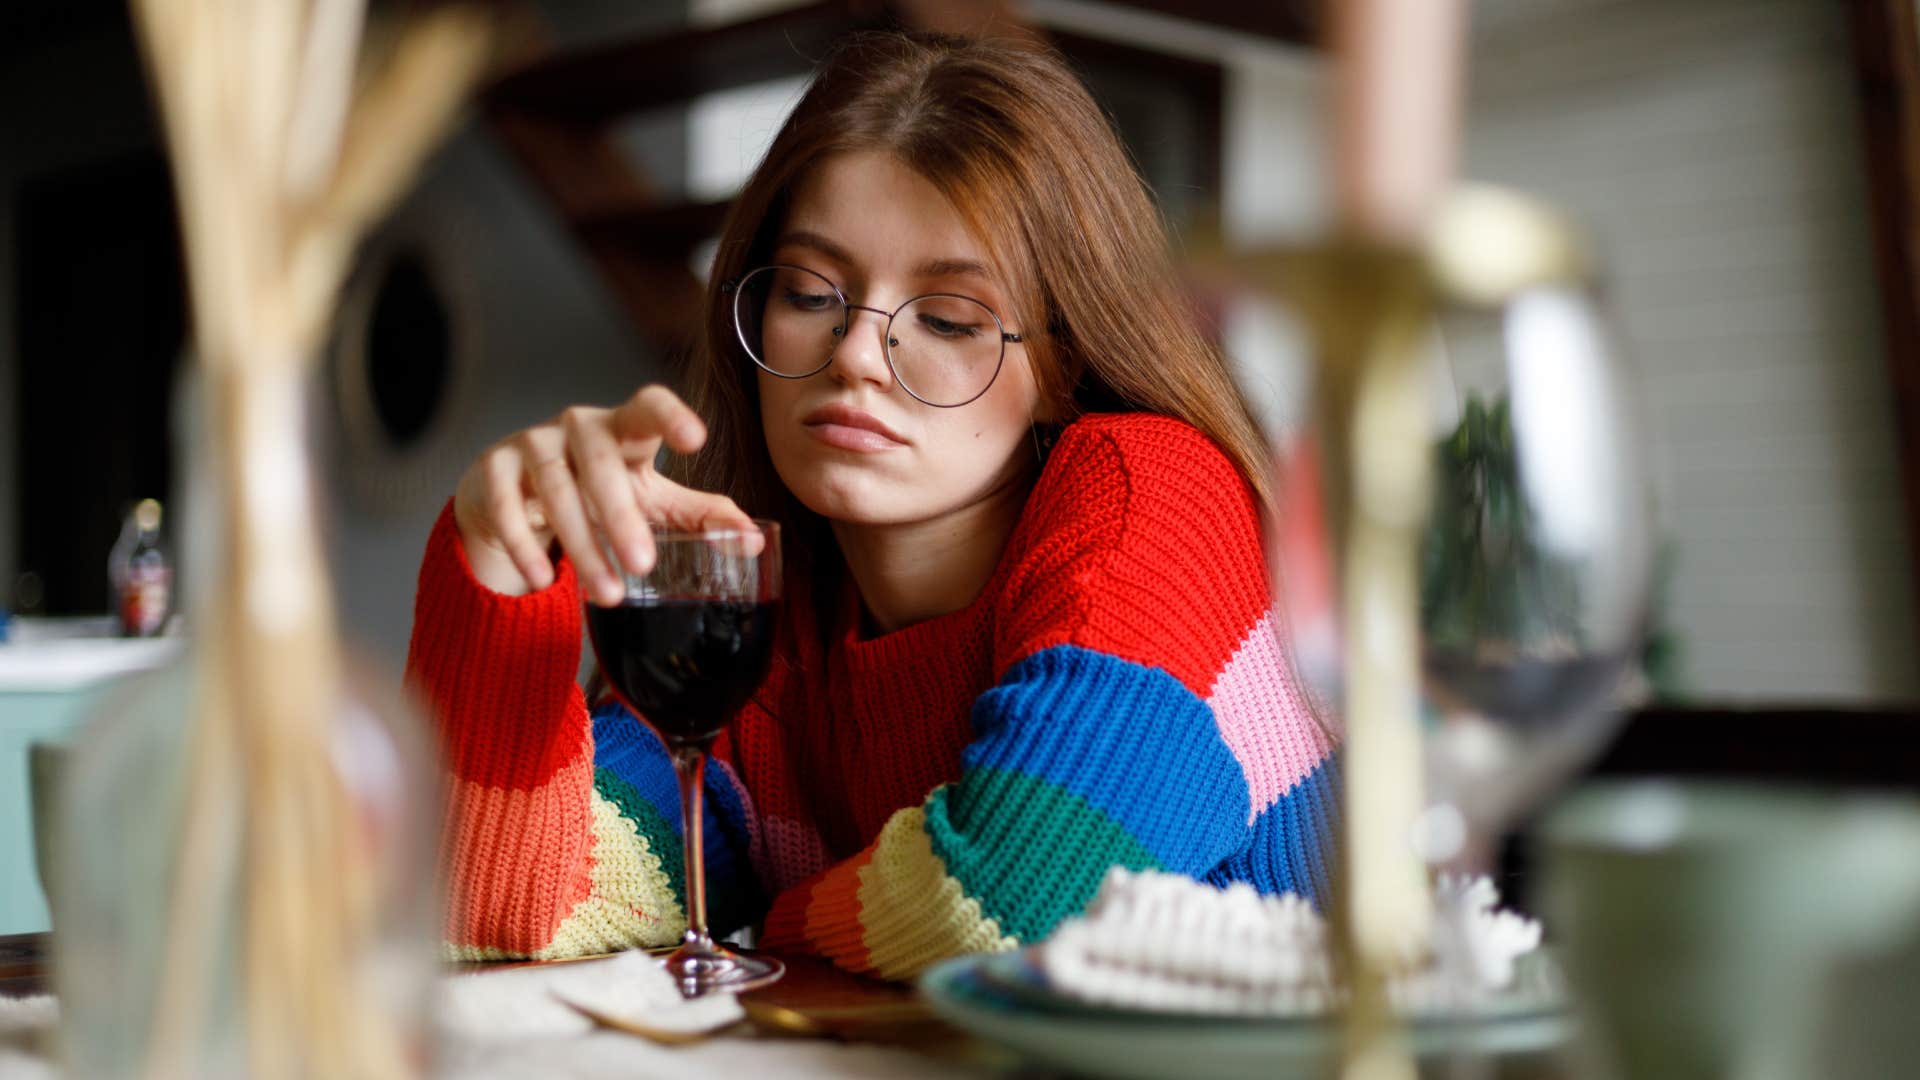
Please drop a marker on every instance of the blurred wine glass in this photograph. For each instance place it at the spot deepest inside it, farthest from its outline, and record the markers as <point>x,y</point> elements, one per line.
<point>1537,551</point>
<point>1537,562</point>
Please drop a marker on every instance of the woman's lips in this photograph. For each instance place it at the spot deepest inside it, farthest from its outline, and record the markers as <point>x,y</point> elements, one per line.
<point>852,438</point>
<point>848,428</point>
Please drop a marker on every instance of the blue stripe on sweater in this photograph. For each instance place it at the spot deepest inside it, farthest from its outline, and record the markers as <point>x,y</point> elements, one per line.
<point>630,750</point>
<point>626,747</point>
<point>1131,740</point>
<point>1293,840</point>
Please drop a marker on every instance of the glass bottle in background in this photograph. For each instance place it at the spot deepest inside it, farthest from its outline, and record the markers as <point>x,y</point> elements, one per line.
<point>140,572</point>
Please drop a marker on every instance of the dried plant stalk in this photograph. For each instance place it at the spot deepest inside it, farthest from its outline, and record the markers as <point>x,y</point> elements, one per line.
<point>279,169</point>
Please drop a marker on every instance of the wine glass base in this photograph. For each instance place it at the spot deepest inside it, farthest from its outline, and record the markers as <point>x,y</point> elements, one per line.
<point>699,972</point>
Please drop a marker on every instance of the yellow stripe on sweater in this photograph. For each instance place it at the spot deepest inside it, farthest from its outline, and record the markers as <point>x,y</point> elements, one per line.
<point>914,912</point>
<point>630,902</point>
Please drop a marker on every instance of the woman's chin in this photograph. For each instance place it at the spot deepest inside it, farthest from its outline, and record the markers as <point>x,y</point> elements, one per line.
<point>840,494</point>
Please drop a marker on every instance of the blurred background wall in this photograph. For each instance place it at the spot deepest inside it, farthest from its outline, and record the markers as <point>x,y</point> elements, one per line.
<point>1713,146</point>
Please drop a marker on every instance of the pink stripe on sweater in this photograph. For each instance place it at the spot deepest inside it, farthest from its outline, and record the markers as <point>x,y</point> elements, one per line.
<point>791,853</point>
<point>1265,719</point>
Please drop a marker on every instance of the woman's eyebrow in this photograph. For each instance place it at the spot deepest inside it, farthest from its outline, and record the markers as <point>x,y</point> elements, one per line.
<point>803,238</point>
<point>930,268</point>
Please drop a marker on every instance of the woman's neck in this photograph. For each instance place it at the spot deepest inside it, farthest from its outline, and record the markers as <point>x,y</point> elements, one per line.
<point>920,570</point>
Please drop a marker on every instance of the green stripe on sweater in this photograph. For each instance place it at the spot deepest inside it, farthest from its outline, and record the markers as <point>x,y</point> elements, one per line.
<point>662,838</point>
<point>996,837</point>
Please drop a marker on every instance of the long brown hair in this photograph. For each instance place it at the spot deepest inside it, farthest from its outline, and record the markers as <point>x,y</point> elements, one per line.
<point>1012,138</point>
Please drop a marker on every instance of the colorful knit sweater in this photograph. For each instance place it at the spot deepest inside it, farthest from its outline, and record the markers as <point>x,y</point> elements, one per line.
<point>1114,696</point>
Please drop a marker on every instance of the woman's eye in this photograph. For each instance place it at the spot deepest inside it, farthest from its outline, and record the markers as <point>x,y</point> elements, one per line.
<point>801,301</point>
<point>949,328</point>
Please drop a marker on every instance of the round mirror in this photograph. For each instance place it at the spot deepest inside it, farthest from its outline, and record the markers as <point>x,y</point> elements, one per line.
<point>401,367</point>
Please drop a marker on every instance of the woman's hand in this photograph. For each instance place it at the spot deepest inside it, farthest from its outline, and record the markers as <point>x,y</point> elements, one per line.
<point>586,469</point>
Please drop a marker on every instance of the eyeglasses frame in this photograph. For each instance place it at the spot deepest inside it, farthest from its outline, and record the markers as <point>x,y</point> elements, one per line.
<point>848,307</point>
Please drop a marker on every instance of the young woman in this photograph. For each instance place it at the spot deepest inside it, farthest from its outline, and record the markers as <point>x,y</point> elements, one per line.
<point>1026,635</point>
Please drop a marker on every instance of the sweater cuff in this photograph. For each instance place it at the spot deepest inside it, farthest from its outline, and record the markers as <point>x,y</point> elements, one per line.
<point>786,923</point>
<point>499,670</point>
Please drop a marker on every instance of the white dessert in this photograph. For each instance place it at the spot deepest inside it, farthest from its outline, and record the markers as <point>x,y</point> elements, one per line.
<point>1168,943</point>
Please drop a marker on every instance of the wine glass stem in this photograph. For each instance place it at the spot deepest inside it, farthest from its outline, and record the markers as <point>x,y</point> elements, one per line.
<point>690,767</point>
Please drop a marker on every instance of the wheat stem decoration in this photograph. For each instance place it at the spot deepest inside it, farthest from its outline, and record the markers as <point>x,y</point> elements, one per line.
<point>285,149</point>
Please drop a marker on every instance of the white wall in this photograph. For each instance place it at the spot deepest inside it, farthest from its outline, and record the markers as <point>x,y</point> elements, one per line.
<point>1714,148</point>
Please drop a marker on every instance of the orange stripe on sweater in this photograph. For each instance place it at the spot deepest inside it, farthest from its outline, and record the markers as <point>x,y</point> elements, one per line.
<point>833,918</point>
<point>823,916</point>
<point>517,862</point>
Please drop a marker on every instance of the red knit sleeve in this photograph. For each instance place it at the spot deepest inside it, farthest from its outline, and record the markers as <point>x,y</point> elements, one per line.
<point>499,672</point>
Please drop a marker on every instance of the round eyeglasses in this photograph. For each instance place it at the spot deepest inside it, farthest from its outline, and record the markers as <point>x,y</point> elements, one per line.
<point>944,349</point>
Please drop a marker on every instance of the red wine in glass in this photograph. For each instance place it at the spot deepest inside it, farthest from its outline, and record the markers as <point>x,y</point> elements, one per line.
<point>685,664</point>
<point>684,651</point>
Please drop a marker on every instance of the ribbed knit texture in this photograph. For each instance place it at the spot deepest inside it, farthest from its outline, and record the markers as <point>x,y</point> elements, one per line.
<point>1114,696</point>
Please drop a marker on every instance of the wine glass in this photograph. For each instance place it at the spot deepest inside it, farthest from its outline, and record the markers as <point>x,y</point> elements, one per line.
<point>1536,568</point>
<point>1537,552</point>
<point>684,649</point>
<point>1538,558</point>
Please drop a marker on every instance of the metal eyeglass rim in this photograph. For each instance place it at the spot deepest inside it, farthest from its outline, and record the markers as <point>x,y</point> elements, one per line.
<point>731,288</point>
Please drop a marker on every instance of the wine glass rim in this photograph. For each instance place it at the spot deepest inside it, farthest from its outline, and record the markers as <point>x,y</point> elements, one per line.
<point>664,532</point>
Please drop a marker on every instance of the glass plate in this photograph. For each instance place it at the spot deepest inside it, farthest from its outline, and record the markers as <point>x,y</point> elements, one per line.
<point>1004,998</point>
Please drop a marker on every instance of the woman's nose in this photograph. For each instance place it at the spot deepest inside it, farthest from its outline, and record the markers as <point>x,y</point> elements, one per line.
<point>861,353</point>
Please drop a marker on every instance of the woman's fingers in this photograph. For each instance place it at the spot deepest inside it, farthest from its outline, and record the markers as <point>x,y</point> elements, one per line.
<point>693,510</point>
<point>512,516</point>
<point>585,475</point>
<point>605,479</point>
<point>567,515</point>
<point>654,413</point>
